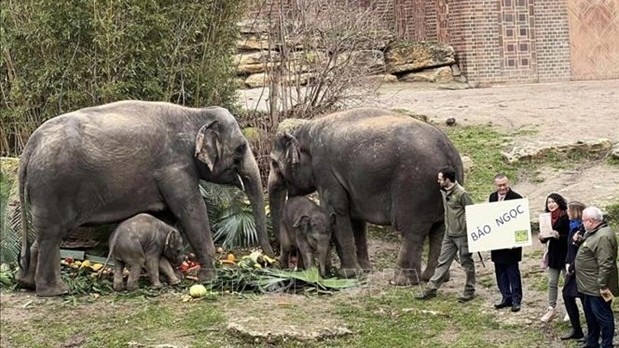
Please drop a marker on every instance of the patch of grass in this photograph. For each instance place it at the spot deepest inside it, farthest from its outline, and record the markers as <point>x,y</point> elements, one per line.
<point>524,132</point>
<point>487,281</point>
<point>483,145</point>
<point>612,214</point>
<point>117,322</point>
<point>398,320</point>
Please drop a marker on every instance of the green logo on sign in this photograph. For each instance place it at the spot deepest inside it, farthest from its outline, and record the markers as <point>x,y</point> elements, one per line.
<point>521,236</point>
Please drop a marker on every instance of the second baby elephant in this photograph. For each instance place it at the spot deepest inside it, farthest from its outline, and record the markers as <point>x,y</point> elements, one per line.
<point>307,227</point>
<point>145,241</point>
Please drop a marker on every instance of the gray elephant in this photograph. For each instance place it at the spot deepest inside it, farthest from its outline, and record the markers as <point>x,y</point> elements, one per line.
<point>368,165</point>
<point>107,163</point>
<point>307,228</point>
<point>144,241</point>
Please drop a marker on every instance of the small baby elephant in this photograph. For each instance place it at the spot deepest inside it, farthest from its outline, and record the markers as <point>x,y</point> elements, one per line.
<point>145,241</point>
<point>307,227</point>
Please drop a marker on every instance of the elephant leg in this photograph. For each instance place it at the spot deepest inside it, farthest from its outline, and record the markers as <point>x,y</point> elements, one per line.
<point>306,254</point>
<point>168,271</point>
<point>26,277</point>
<point>135,268</point>
<point>284,246</point>
<point>349,267</point>
<point>152,267</point>
<point>119,266</point>
<point>409,259</point>
<point>361,244</point>
<point>336,200</point>
<point>435,241</point>
<point>183,199</point>
<point>47,276</point>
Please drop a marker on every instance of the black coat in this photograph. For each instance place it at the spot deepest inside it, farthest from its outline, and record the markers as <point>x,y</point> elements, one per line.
<point>557,248</point>
<point>505,255</point>
<point>570,288</point>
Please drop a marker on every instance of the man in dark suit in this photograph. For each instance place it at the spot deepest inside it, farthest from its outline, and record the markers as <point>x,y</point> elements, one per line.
<point>506,260</point>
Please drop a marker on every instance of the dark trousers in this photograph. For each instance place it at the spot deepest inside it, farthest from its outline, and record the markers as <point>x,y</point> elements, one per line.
<point>509,282</point>
<point>600,320</point>
<point>570,294</point>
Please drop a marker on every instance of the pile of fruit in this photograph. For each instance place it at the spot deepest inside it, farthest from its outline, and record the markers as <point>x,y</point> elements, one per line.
<point>86,264</point>
<point>253,272</point>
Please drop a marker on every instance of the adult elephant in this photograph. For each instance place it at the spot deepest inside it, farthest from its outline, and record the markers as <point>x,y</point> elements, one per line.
<point>368,165</point>
<point>107,163</point>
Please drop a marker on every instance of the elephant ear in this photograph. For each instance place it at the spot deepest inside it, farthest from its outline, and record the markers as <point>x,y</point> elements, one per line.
<point>301,221</point>
<point>208,146</point>
<point>292,148</point>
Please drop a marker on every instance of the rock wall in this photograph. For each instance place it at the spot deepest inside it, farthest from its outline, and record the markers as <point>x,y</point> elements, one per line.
<point>393,60</point>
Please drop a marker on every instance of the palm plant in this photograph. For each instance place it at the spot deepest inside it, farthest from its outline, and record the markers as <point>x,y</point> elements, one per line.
<point>230,215</point>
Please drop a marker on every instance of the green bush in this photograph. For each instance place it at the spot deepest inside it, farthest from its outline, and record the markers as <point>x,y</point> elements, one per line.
<point>60,56</point>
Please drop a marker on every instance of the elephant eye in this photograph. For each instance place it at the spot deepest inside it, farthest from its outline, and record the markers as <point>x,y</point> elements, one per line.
<point>240,150</point>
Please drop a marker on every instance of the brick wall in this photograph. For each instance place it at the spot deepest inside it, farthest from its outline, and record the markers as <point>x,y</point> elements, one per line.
<point>496,41</point>
<point>552,40</point>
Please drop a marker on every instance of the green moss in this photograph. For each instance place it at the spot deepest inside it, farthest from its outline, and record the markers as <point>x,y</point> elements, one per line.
<point>290,125</point>
<point>612,214</point>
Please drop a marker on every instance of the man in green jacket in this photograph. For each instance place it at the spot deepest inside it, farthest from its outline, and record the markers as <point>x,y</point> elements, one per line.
<point>455,241</point>
<point>596,277</point>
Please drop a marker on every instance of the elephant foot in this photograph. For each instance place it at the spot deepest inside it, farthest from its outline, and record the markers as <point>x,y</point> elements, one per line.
<point>206,274</point>
<point>49,290</point>
<point>427,274</point>
<point>119,287</point>
<point>349,272</point>
<point>174,281</point>
<point>25,281</point>
<point>132,287</point>
<point>365,265</point>
<point>157,285</point>
<point>403,278</point>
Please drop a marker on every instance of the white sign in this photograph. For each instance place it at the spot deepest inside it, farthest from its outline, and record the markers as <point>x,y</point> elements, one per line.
<point>545,225</point>
<point>498,225</point>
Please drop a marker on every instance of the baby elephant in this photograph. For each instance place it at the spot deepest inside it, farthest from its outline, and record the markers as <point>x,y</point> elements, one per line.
<point>307,227</point>
<point>145,241</point>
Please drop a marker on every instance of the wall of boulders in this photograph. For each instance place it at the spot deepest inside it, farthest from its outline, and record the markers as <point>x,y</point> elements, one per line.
<point>394,60</point>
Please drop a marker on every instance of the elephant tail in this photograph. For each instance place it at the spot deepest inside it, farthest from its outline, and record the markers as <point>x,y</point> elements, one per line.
<point>111,245</point>
<point>24,255</point>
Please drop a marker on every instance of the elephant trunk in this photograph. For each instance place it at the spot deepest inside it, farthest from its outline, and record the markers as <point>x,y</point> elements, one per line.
<point>250,176</point>
<point>277,198</point>
<point>323,260</point>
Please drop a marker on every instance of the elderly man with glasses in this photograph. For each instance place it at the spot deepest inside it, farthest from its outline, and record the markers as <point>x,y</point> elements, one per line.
<point>597,277</point>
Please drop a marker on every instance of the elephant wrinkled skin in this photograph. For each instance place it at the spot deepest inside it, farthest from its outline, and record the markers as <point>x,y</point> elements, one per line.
<point>368,165</point>
<point>107,163</point>
<point>144,241</point>
<point>307,227</point>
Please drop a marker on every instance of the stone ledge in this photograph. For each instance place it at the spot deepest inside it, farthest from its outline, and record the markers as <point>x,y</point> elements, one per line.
<point>284,333</point>
<point>535,150</point>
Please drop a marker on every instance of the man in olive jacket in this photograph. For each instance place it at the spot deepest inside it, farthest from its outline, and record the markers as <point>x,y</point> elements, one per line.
<point>597,277</point>
<point>455,241</point>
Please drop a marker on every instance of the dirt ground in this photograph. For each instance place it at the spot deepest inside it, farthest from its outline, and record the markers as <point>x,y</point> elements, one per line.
<point>553,113</point>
